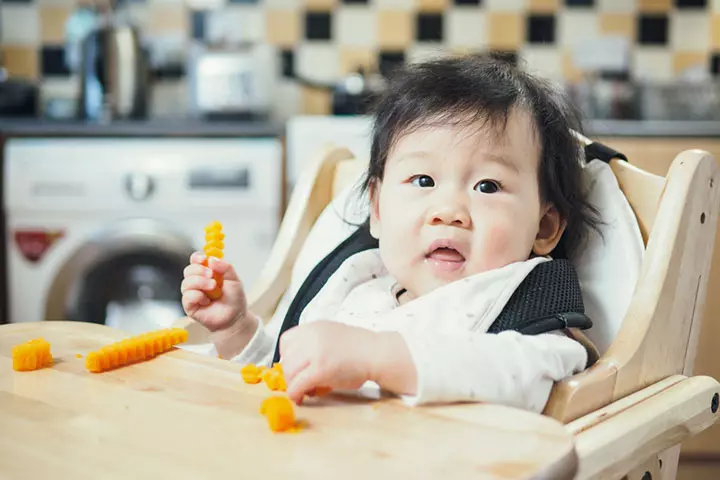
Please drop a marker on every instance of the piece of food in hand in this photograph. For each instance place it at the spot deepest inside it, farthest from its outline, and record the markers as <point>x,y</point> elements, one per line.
<point>134,349</point>
<point>279,412</point>
<point>319,391</point>
<point>31,355</point>
<point>214,247</point>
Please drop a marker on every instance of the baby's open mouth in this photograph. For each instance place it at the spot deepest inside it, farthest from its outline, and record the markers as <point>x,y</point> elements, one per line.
<point>445,260</point>
<point>446,254</point>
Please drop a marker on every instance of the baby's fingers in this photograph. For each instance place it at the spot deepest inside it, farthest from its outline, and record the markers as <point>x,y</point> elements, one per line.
<point>194,299</point>
<point>197,270</point>
<point>197,258</point>
<point>197,283</point>
<point>304,382</point>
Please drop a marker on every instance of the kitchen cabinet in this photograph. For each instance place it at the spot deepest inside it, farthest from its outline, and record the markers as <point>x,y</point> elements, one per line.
<point>655,155</point>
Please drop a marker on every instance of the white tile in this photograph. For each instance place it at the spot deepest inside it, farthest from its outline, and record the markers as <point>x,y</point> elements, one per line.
<point>651,64</point>
<point>204,4</point>
<point>288,101</point>
<point>236,23</point>
<point>20,25</point>
<point>689,31</point>
<point>617,6</point>
<point>318,62</point>
<point>545,62</point>
<point>715,5</point>
<point>575,27</point>
<point>394,4</point>
<point>355,26</point>
<point>465,28</point>
<point>421,53</point>
<point>294,4</point>
<point>505,5</point>
<point>170,99</point>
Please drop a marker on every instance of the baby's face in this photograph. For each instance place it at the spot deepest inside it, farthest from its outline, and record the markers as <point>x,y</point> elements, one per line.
<point>456,201</point>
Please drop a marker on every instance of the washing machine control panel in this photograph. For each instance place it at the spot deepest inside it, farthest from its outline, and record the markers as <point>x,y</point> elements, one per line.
<point>139,186</point>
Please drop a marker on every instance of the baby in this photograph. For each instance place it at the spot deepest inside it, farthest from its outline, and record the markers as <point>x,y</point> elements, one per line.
<point>474,179</point>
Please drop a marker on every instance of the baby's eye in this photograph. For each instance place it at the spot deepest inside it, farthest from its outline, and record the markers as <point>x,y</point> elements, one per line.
<point>487,186</point>
<point>423,181</point>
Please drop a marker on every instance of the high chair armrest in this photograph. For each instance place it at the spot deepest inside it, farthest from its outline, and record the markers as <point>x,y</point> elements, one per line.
<point>615,439</point>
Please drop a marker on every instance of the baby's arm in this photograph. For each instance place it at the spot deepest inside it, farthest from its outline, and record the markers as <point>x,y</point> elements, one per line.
<point>506,368</point>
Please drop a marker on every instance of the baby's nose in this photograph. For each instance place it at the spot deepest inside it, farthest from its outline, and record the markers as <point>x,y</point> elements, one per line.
<point>455,214</point>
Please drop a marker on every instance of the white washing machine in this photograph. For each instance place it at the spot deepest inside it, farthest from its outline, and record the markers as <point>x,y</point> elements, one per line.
<point>100,230</point>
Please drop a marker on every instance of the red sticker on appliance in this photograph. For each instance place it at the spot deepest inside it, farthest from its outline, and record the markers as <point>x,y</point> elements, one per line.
<point>33,244</point>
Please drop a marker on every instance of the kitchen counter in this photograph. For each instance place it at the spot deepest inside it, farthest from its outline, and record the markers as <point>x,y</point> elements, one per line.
<point>651,128</point>
<point>200,128</point>
<point>183,415</point>
<point>10,127</point>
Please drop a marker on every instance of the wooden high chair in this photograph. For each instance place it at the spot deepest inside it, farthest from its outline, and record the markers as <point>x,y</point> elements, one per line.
<point>630,411</point>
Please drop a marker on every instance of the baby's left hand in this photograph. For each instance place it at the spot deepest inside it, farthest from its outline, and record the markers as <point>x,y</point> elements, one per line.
<point>326,354</point>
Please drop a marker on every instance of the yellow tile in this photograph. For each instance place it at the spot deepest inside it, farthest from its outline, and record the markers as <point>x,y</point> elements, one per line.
<point>353,58</point>
<point>282,27</point>
<point>543,6</point>
<point>715,31</point>
<point>21,61</point>
<point>395,29</point>
<point>570,72</point>
<point>320,4</point>
<point>654,6</point>
<point>167,18</point>
<point>622,24</point>
<point>52,23</point>
<point>316,102</point>
<point>506,31</point>
<point>432,5</point>
<point>684,60</point>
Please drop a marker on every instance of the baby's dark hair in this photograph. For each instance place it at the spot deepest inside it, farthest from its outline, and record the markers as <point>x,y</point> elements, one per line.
<point>484,90</point>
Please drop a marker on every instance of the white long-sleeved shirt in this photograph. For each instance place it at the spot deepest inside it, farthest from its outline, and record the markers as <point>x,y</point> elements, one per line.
<point>446,334</point>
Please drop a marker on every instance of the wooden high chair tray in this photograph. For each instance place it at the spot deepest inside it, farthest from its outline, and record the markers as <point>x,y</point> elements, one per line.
<point>183,415</point>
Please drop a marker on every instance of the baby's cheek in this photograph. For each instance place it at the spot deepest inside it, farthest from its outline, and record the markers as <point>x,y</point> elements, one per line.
<point>502,245</point>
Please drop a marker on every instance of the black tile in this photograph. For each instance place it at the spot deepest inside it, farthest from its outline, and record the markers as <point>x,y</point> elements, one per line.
<point>197,22</point>
<point>579,3</point>
<point>467,2</point>
<point>287,63</point>
<point>691,3</point>
<point>429,27</point>
<point>170,71</point>
<point>652,30</point>
<point>389,61</point>
<point>52,61</point>
<point>715,64</point>
<point>318,25</point>
<point>540,29</point>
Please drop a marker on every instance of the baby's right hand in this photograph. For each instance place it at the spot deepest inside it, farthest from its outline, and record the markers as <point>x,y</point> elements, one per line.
<point>227,311</point>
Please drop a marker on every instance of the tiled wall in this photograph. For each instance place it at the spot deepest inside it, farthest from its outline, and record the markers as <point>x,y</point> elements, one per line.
<point>323,39</point>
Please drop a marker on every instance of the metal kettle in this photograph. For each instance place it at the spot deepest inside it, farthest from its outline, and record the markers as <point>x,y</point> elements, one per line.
<point>113,72</point>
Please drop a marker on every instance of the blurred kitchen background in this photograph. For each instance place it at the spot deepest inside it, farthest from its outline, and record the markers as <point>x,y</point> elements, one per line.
<point>126,126</point>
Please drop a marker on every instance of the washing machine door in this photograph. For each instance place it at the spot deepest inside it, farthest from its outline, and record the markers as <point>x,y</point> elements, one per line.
<point>127,277</point>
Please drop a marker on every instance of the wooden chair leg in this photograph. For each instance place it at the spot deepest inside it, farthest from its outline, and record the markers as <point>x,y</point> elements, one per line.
<point>658,467</point>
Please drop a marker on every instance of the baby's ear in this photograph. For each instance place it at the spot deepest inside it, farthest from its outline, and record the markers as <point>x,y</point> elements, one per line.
<point>374,191</point>
<point>550,231</point>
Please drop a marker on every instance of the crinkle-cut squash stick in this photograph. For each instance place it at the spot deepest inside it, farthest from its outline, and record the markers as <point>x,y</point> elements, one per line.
<point>134,349</point>
<point>31,355</point>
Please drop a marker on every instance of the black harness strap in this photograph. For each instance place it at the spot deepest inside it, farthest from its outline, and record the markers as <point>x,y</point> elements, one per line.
<point>357,242</point>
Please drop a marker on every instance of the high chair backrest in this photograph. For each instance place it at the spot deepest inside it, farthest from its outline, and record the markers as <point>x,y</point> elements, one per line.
<point>677,216</point>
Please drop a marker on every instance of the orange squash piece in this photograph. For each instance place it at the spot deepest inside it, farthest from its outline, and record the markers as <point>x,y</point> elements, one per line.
<point>279,412</point>
<point>214,246</point>
<point>274,378</point>
<point>252,373</point>
<point>31,355</point>
<point>134,349</point>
